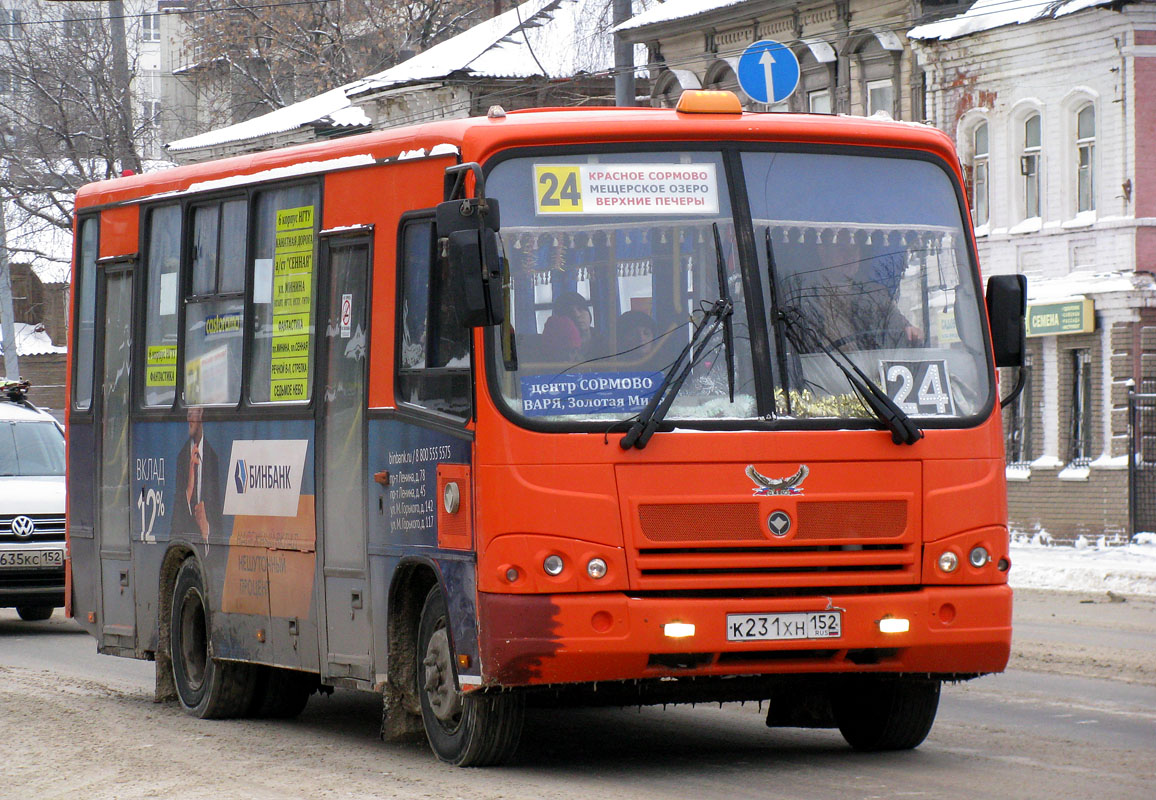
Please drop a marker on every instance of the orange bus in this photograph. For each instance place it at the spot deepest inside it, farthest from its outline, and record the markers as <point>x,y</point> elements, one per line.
<point>587,405</point>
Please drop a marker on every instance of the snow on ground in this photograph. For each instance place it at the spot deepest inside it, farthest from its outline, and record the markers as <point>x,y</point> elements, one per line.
<point>1086,567</point>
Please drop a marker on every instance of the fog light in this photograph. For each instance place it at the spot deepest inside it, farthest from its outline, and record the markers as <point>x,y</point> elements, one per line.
<point>553,565</point>
<point>596,568</point>
<point>894,625</point>
<point>678,630</point>
<point>978,557</point>
<point>948,561</point>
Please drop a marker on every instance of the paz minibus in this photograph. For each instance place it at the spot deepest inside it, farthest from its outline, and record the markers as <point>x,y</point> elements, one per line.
<point>577,406</point>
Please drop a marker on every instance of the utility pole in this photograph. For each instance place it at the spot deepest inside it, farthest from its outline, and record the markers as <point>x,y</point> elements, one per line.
<point>126,153</point>
<point>7,321</point>
<point>623,58</point>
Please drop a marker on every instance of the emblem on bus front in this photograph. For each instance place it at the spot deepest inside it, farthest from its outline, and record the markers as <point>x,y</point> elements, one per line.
<point>776,486</point>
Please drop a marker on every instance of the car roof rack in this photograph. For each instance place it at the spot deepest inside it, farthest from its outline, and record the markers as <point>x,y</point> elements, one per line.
<point>16,391</point>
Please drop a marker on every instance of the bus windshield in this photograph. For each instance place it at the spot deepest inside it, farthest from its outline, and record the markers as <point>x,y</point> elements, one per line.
<point>831,261</point>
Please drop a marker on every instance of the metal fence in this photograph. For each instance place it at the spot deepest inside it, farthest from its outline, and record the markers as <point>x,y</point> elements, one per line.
<point>1142,458</point>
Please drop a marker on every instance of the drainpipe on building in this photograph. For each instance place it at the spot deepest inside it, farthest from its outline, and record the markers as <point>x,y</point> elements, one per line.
<point>623,58</point>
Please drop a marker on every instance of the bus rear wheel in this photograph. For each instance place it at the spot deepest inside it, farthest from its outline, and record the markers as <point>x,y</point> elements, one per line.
<point>207,687</point>
<point>876,714</point>
<point>469,730</point>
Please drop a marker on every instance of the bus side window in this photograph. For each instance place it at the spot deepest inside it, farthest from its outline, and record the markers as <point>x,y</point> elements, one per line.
<point>284,247</point>
<point>215,306</point>
<point>163,261</point>
<point>86,254</point>
<point>434,347</point>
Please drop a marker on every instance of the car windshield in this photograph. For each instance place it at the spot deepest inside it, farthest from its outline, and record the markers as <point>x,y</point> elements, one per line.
<point>612,261</point>
<point>30,449</point>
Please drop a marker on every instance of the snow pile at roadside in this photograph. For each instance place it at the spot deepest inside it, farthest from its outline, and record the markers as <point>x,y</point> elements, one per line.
<point>1086,567</point>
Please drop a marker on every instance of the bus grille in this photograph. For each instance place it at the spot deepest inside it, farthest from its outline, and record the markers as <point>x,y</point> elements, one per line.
<point>832,543</point>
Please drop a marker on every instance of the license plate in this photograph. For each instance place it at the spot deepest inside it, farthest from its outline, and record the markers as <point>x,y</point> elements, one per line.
<point>26,559</point>
<point>772,627</point>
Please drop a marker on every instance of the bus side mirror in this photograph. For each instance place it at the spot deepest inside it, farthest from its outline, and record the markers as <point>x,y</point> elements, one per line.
<point>467,232</point>
<point>475,262</point>
<point>1007,304</point>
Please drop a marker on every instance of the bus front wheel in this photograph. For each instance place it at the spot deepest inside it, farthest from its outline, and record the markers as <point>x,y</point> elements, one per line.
<point>469,730</point>
<point>207,688</point>
<point>876,714</point>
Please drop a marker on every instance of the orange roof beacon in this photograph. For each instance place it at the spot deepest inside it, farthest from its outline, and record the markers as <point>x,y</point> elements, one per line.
<point>319,435</point>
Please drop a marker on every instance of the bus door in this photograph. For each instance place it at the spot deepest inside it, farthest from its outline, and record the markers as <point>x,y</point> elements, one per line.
<point>341,467</point>
<point>113,435</point>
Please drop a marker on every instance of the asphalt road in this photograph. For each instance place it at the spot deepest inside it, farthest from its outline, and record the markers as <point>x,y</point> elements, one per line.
<point>1075,717</point>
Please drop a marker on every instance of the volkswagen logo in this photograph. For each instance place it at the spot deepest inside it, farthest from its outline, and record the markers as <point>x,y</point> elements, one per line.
<point>23,526</point>
<point>779,522</point>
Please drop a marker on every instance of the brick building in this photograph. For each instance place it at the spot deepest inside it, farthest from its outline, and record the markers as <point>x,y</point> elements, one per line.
<point>1053,109</point>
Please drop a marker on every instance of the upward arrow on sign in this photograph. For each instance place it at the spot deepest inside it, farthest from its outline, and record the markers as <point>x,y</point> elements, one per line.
<point>768,62</point>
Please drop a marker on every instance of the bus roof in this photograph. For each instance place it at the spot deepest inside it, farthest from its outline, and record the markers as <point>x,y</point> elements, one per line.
<point>477,138</point>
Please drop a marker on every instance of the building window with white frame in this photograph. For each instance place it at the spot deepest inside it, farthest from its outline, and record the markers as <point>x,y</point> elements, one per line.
<point>1080,430</point>
<point>979,175</point>
<point>819,102</point>
<point>1018,437</point>
<point>880,96</point>
<point>11,23</point>
<point>150,27</point>
<point>1030,162</point>
<point>1085,154</point>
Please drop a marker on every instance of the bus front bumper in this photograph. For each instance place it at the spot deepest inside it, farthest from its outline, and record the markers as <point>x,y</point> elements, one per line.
<point>581,638</point>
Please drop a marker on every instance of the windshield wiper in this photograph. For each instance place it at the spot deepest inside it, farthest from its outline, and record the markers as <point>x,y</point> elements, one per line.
<point>777,322</point>
<point>724,295</point>
<point>903,429</point>
<point>650,417</point>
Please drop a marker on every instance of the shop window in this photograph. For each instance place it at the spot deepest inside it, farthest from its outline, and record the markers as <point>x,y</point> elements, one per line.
<point>434,352</point>
<point>284,290</point>
<point>162,266</point>
<point>1080,430</point>
<point>1085,153</point>
<point>979,175</point>
<point>215,305</point>
<point>1030,163</point>
<point>1018,436</point>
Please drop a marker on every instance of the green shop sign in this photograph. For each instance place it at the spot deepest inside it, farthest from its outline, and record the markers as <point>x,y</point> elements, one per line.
<point>1052,319</point>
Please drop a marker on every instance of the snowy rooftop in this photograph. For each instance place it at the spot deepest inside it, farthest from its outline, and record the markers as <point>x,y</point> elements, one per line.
<point>32,340</point>
<point>675,9</point>
<point>547,38</point>
<point>43,246</point>
<point>985,15</point>
<point>1078,284</point>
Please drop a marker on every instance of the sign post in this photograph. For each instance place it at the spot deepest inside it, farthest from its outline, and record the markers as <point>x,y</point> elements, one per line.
<point>768,72</point>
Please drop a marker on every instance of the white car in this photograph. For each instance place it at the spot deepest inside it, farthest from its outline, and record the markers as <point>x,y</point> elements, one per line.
<point>31,506</point>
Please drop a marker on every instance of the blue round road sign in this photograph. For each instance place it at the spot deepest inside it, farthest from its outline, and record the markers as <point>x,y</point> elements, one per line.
<point>768,72</point>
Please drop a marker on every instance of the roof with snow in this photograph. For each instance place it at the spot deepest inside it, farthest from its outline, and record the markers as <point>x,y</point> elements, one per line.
<point>984,15</point>
<point>539,38</point>
<point>673,10</point>
<point>32,340</point>
<point>45,247</point>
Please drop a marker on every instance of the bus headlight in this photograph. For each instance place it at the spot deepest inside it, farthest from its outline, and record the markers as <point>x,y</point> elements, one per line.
<point>948,561</point>
<point>596,568</point>
<point>553,565</point>
<point>978,557</point>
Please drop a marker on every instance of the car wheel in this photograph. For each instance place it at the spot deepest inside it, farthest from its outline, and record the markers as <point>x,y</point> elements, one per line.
<point>469,730</point>
<point>34,613</point>
<point>207,687</point>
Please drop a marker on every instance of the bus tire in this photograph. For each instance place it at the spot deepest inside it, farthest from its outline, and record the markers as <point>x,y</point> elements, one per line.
<point>468,730</point>
<point>281,693</point>
<point>876,714</point>
<point>34,613</point>
<point>206,687</point>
